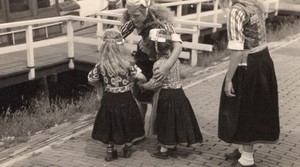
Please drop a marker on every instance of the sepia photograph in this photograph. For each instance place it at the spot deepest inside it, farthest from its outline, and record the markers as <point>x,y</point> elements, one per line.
<point>149,83</point>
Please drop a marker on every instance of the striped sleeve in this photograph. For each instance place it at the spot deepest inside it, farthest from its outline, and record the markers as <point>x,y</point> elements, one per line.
<point>127,28</point>
<point>235,35</point>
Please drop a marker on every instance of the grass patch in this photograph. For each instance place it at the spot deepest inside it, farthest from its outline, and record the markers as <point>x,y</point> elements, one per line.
<point>19,126</point>
<point>281,27</point>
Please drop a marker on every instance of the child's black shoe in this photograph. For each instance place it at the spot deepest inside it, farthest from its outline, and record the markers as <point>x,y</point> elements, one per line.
<point>111,153</point>
<point>161,155</point>
<point>127,151</point>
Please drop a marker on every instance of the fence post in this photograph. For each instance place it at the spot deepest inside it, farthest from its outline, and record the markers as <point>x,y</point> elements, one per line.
<point>99,32</point>
<point>194,54</point>
<point>276,7</point>
<point>30,53</point>
<point>70,33</point>
<point>195,36</point>
<point>178,13</point>
<point>46,32</point>
<point>198,10</point>
<point>13,38</point>
<point>215,19</point>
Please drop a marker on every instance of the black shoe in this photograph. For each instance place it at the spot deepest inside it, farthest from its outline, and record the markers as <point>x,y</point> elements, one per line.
<point>234,155</point>
<point>111,155</point>
<point>238,164</point>
<point>161,155</point>
<point>127,151</point>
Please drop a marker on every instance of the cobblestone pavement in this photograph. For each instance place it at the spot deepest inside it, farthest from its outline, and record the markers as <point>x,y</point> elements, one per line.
<point>79,150</point>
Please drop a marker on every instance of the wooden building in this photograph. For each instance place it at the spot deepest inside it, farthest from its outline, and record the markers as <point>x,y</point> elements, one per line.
<point>19,10</point>
<point>16,10</point>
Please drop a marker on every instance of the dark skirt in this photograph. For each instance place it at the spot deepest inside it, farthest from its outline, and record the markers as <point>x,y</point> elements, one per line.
<point>118,119</point>
<point>176,122</point>
<point>252,115</point>
<point>141,95</point>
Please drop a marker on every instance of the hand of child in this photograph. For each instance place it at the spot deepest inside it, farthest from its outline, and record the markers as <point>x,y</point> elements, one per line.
<point>160,73</point>
<point>140,85</point>
<point>99,97</point>
<point>229,91</point>
<point>141,77</point>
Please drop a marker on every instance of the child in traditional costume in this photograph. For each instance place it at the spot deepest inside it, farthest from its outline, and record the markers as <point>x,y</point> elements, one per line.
<point>118,120</point>
<point>249,111</point>
<point>175,119</point>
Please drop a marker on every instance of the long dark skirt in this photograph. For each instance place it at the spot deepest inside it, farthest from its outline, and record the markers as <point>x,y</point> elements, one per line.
<point>118,119</point>
<point>176,121</point>
<point>141,95</point>
<point>252,116</point>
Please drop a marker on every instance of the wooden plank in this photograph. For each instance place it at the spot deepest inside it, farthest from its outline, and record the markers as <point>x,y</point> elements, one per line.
<point>10,49</point>
<point>34,22</point>
<point>85,40</point>
<point>52,41</point>
<point>197,46</point>
<point>289,7</point>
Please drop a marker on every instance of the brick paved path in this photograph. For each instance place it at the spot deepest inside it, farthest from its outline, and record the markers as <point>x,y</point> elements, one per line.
<point>82,151</point>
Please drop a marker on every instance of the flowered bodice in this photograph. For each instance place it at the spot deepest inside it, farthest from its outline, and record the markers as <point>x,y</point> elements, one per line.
<point>246,26</point>
<point>254,29</point>
<point>112,83</point>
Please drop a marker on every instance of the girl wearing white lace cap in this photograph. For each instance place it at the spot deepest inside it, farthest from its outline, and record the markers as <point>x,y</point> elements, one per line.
<point>174,120</point>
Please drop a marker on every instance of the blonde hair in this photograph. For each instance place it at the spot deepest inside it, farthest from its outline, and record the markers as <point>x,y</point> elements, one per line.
<point>159,12</point>
<point>110,54</point>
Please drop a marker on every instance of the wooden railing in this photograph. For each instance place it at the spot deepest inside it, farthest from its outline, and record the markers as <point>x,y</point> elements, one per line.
<point>70,38</point>
<point>30,45</point>
<point>271,6</point>
<point>45,27</point>
<point>186,26</point>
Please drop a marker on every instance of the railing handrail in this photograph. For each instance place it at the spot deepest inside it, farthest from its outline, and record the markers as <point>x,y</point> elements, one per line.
<point>183,2</point>
<point>34,28</point>
<point>34,22</point>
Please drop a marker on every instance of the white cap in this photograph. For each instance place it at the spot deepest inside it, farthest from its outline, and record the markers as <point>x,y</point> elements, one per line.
<point>145,3</point>
<point>159,35</point>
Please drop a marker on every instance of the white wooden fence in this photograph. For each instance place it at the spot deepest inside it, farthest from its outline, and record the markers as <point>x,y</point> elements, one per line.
<point>183,26</point>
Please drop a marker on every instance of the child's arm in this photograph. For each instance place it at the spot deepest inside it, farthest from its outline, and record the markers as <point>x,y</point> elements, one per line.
<point>163,70</point>
<point>136,73</point>
<point>95,80</point>
<point>99,89</point>
<point>127,28</point>
<point>141,77</point>
<point>152,84</point>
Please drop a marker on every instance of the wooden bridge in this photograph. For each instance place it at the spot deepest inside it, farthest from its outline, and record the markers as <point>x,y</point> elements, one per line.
<point>38,59</point>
